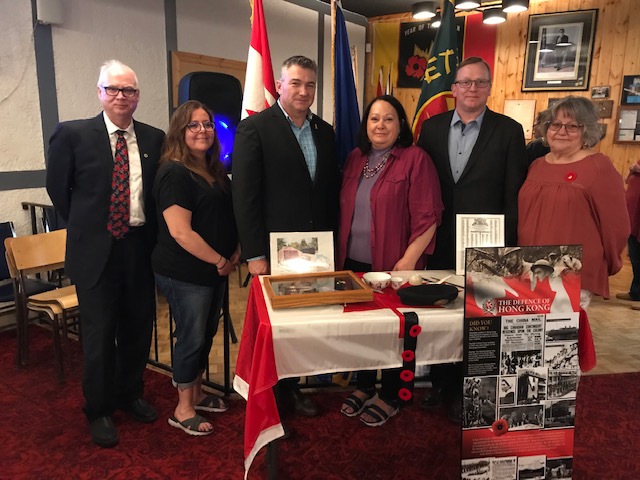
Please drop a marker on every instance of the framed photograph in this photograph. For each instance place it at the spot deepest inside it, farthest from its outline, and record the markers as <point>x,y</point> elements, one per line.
<point>600,92</point>
<point>628,126</point>
<point>311,289</point>
<point>630,90</point>
<point>477,230</point>
<point>301,252</point>
<point>559,50</point>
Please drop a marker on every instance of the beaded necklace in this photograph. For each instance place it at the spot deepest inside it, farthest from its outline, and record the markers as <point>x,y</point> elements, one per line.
<point>372,172</point>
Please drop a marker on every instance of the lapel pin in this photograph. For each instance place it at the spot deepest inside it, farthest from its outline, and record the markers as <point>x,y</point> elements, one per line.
<point>145,155</point>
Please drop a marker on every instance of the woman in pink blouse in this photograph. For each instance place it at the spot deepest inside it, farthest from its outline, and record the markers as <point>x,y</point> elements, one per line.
<point>390,206</point>
<point>574,195</point>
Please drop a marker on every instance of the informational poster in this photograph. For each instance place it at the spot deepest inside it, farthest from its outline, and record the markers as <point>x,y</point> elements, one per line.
<point>521,367</point>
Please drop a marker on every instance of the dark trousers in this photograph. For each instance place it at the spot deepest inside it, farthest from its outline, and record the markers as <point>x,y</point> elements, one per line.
<point>634,256</point>
<point>117,320</point>
<point>447,379</point>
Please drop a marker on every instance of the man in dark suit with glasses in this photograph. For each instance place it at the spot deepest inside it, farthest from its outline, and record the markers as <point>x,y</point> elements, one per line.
<point>100,174</point>
<point>481,161</point>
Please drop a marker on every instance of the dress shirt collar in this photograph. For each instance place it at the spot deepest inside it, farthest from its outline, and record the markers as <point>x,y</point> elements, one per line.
<point>288,117</point>
<point>112,127</point>
<point>456,118</point>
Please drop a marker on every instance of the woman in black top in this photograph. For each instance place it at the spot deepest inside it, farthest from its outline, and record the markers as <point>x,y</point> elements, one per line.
<point>197,248</point>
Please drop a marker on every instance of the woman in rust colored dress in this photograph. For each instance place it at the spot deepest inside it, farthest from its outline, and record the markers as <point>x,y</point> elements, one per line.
<point>574,195</point>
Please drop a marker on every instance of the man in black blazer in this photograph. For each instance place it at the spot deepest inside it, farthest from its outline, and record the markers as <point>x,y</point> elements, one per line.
<point>285,177</point>
<point>109,259</point>
<point>481,161</point>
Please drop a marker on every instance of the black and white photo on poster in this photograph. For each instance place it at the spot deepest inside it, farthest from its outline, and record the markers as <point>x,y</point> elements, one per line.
<point>482,338</point>
<point>476,469</point>
<point>562,327</point>
<point>503,468</point>
<point>562,384</point>
<point>523,417</point>
<point>510,362</point>
<point>507,392</point>
<point>559,468</point>
<point>532,385</point>
<point>532,468</point>
<point>479,398</point>
<point>562,356</point>
<point>560,413</point>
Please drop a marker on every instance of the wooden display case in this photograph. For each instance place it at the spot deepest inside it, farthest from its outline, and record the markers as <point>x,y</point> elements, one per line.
<point>311,289</point>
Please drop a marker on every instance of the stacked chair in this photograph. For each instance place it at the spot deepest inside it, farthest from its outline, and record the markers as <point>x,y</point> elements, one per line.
<point>42,254</point>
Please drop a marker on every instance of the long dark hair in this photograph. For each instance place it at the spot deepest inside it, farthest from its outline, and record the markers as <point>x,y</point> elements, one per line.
<point>175,149</point>
<point>405,139</point>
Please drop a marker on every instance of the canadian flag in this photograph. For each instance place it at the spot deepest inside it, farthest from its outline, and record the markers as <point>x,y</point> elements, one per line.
<point>259,85</point>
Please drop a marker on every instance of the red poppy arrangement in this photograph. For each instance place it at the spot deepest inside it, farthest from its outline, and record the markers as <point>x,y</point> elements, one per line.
<point>407,375</point>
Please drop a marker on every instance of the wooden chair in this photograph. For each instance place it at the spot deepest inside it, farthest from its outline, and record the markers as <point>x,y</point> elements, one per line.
<point>34,254</point>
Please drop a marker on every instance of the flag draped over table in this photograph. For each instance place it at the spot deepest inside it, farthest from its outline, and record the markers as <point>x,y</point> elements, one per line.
<point>435,95</point>
<point>346,112</point>
<point>259,86</point>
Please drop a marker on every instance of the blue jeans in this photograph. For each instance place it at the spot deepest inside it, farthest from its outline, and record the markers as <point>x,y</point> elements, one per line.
<point>196,311</point>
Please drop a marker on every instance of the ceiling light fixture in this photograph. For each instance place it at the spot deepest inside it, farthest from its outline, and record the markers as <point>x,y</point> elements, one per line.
<point>424,10</point>
<point>466,4</point>
<point>494,16</point>
<point>437,20</point>
<point>515,6</point>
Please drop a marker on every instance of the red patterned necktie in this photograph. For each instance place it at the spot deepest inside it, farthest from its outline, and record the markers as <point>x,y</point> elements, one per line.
<point>118,223</point>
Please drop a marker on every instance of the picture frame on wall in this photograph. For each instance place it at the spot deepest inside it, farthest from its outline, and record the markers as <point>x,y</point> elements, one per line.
<point>630,90</point>
<point>601,91</point>
<point>628,125</point>
<point>559,51</point>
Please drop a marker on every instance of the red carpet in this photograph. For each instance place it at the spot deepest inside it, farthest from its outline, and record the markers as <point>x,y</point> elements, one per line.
<point>44,434</point>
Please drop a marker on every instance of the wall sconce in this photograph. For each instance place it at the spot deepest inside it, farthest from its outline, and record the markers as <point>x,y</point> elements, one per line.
<point>494,16</point>
<point>466,4</point>
<point>423,10</point>
<point>515,6</point>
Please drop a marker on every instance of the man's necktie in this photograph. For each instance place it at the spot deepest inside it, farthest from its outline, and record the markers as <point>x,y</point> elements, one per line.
<point>118,223</point>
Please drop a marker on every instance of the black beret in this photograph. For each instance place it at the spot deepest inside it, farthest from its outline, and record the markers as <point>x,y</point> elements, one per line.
<point>428,294</point>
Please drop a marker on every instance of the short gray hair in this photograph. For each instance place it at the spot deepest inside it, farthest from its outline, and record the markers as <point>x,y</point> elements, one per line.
<point>583,111</point>
<point>114,66</point>
<point>302,62</point>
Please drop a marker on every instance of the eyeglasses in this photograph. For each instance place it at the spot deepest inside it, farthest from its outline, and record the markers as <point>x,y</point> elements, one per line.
<point>569,127</point>
<point>195,127</point>
<point>481,83</point>
<point>113,91</point>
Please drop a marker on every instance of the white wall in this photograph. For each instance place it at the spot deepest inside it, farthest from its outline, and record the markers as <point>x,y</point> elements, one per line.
<point>97,30</point>
<point>21,131</point>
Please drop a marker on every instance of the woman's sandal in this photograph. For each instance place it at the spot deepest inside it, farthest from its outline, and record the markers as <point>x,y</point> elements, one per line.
<point>212,403</point>
<point>356,404</point>
<point>379,415</point>
<point>191,426</point>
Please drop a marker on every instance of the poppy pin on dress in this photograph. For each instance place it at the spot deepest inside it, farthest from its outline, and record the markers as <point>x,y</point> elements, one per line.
<point>570,177</point>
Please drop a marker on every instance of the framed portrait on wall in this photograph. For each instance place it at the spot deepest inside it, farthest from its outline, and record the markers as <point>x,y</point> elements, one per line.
<point>628,125</point>
<point>630,90</point>
<point>559,51</point>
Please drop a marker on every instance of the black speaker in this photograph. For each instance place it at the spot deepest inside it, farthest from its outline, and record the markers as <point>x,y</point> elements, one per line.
<point>222,93</point>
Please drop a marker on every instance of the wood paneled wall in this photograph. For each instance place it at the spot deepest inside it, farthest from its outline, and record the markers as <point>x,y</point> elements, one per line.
<point>616,53</point>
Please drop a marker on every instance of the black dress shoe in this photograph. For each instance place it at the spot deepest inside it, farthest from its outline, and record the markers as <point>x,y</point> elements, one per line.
<point>302,405</point>
<point>141,411</point>
<point>104,432</point>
